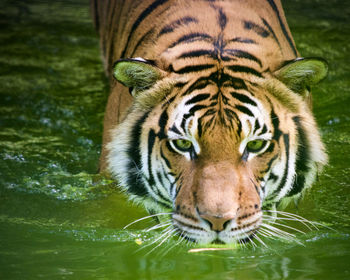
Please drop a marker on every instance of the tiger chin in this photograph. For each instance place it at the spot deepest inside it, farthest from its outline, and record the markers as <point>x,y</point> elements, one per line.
<point>211,117</point>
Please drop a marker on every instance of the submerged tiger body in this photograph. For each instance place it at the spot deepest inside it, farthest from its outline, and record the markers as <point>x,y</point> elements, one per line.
<point>218,125</point>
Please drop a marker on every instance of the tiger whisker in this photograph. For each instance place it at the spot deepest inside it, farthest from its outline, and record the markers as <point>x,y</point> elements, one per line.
<point>146,217</point>
<point>167,236</point>
<point>268,219</point>
<point>157,226</point>
<point>243,245</point>
<point>273,231</point>
<point>163,233</point>
<point>295,217</point>
<point>251,242</point>
<point>272,235</point>
<point>283,225</point>
<point>280,233</point>
<point>259,239</point>
<point>181,239</point>
<point>277,230</point>
<point>303,220</point>
<point>314,224</point>
<point>264,234</point>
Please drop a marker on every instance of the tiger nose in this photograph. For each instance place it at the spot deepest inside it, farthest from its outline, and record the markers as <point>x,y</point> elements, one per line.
<point>217,222</point>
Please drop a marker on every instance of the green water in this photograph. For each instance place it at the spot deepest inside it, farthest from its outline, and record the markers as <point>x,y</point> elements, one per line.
<point>59,220</point>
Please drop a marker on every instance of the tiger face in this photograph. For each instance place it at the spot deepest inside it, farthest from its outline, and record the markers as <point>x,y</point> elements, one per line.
<point>216,149</point>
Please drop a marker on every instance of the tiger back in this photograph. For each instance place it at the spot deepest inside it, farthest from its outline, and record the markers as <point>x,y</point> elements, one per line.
<point>210,118</point>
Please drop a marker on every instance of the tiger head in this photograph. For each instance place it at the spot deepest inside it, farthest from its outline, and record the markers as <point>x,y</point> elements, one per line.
<point>216,149</point>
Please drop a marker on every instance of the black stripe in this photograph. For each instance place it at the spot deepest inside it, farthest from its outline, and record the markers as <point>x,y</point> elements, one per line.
<point>284,30</point>
<point>197,98</point>
<point>244,110</point>
<point>180,84</point>
<point>243,54</point>
<point>303,147</point>
<point>175,129</point>
<point>175,24</point>
<point>200,83</point>
<point>242,40</point>
<point>163,120</point>
<point>275,122</point>
<point>270,148</point>
<point>199,127</point>
<point>198,53</point>
<point>183,122</point>
<point>222,19</point>
<point>271,161</point>
<point>167,162</point>
<point>273,177</point>
<point>194,68</point>
<point>271,31</point>
<point>258,29</point>
<point>141,17</point>
<point>151,141</point>
<point>264,130</point>
<point>256,125</point>
<point>196,108</point>
<point>135,184</point>
<point>285,174</point>
<point>244,69</point>
<point>188,38</point>
<point>243,98</point>
<point>303,158</point>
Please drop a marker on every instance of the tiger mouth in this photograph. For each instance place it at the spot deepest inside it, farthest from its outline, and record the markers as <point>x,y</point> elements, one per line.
<point>197,234</point>
<point>217,242</point>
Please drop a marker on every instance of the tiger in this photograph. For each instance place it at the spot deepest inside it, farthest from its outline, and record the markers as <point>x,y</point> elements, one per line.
<point>209,116</point>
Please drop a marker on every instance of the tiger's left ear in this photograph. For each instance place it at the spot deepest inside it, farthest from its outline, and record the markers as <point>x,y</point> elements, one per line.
<point>302,73</point>
<point>137,73</point>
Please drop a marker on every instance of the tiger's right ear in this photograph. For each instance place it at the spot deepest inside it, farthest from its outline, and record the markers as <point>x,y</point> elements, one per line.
<point>137,73</point>
<point>302,73</point>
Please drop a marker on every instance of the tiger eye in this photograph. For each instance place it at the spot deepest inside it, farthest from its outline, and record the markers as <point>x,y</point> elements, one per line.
<point>255,145</point>
<point>183,144</point>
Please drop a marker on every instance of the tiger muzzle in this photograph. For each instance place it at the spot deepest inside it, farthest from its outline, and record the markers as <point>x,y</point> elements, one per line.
<point>221,201</point>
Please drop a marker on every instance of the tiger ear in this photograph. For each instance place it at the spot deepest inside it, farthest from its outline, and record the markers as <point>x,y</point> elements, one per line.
<point>136,73</point>
<point>302,73</point>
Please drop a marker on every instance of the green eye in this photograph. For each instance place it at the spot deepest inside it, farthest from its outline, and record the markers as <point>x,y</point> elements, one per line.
<point>255,146</point>
<point>182,144</point>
